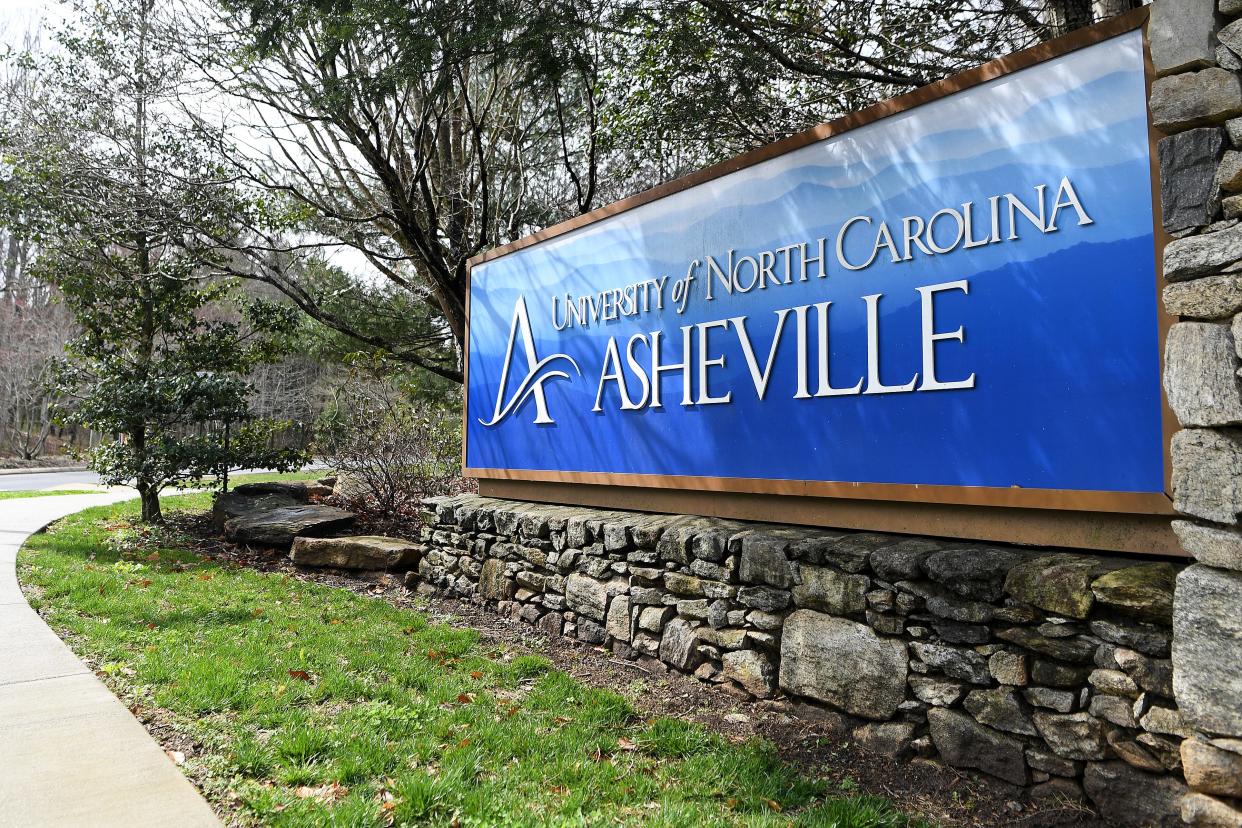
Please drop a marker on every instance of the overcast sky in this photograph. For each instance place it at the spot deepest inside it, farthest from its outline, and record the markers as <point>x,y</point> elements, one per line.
<point>20,16</point>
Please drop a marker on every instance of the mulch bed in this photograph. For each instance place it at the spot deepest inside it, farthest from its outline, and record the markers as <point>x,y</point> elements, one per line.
<point>940,794</point>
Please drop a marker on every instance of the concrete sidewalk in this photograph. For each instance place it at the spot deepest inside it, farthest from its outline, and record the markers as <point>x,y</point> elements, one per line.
<point>71,754</point>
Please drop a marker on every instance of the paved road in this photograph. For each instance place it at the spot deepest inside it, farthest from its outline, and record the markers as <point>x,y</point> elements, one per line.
<point>71,754</point>
<point>45,480</point>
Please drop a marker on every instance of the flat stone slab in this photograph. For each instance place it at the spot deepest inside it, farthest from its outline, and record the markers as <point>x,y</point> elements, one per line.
<point>71,753</point>
<point>356,552</point>
<point>280,525</point>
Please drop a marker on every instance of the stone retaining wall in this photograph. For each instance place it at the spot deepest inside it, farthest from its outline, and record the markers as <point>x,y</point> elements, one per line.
<point>1042,668</point>
<point>1196,101</point>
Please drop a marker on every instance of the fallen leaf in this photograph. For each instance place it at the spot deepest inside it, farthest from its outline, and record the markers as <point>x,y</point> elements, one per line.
<point>301,675</point>
<point>206,576</point>
<point>773,804</point>
<point>626,744</point>
<point>145,582</point>
<point>465,698</point>
<point>463,743</point>
<point>154,556</point>
<point>151,625</point>
<point>177,757</point>
<point>477,674</point>
<point>335,621</point>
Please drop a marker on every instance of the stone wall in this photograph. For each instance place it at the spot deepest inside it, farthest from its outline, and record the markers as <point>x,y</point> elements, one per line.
<point>1196,101</point>
<point>1042,668</point>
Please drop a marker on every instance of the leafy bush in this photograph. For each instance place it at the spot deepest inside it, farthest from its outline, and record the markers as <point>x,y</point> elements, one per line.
<point>389,449</point>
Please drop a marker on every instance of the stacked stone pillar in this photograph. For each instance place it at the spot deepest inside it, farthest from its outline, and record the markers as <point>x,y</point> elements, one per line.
<point>1196,101</point>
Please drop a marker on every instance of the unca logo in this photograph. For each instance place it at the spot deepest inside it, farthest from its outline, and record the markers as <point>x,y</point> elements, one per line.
<point>537,372</point>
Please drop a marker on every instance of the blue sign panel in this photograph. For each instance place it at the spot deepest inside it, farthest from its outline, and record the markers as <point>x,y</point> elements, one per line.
<point>963,294</point>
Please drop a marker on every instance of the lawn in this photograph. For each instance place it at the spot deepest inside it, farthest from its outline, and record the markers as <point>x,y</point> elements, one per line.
<point>311,705</point>
<point>46,493</point>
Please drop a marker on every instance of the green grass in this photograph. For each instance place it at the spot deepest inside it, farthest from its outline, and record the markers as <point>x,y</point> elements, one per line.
<point>316,706</point>
<point>38,493</point>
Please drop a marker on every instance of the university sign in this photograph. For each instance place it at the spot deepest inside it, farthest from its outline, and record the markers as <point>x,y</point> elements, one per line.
<point>949,300</point>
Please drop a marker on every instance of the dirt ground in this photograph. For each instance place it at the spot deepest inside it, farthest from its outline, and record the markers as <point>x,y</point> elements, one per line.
<point>942,795</point>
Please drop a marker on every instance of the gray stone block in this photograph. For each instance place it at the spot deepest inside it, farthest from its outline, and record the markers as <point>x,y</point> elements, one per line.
<point>1202,255</point>
<point>1209,297</point>
<point>1210,96</point>
<point>1133,799</point>
<point>1207,473</point>
<point>965,743</point>
<point>1207,649</point>
<point>1181,35</point>
<point>842,663</point>
<point>1212,545</point>
<point>1200,375</point>
<point>1188,168</point>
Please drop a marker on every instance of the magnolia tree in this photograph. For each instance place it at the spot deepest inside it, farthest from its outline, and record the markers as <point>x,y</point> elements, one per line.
<point>124,206</point>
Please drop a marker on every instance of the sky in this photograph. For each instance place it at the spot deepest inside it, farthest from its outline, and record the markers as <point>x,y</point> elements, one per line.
<point>19,16</point>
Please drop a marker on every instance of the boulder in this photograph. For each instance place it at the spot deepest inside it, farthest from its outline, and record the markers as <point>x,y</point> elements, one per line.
<point>679,645</point>
<point>1130,798</point>
<point>1182,35</point>
<point>1191,99</point>
<point>842,663</point>
<point>1199,377</point>
<point>493,584</point>
<point>752,670</point>
<point>830,591</point>
<point>1144,591</point>
<point>1072,735</point>
<point>1210,769</point>
<point>235,504</point>
<point>1207,648</point>
<point>999,708</point>
<point>356,552</point>
<point>1057,583</point>
<point>279,526</point>
<point>1209,297</point>
<point>1211,545</point>
<point>973,572</point>
<point>964,743</point>
<point>1203,811</point>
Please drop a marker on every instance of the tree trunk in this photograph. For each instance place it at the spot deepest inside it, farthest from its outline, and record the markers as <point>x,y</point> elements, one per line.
<point>150,498</point>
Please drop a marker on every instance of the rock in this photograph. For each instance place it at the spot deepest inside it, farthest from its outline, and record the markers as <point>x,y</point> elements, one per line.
<point>279,526</point>
<point>1008,668</point>
<point>693,610</point>
<point>763,561</point>
<point>1134,754</point>
<point>1232,205</point>
<point>679,645</point>
<point>999,708</point>
<point>1168,751</point>
<point>955,633</point>
<point>1132,799</point>
<point>852,552</point>
<point>1071,735</point>
<point>1113,709</point>
<point>936,692</point>
<point>842,663</point>
<point>617,624</point>
<point>886,738</point>
<point>590,632</point>
<point>1211,770</point>
<point>357,552</point>
<point>974,572</point>
<point>551,623</point>
<point>1146,638</point>
<point>1057,675</point>
<point>1211,545</point>
<point>830,591</point>
<point>1209,96</point>
<point>652,619</point>
<point>1144,591</point>
<point>1057,583</point>
<point>1229,174</point>
<point>1199,375</point>
<point>1060,700</point>
<point>294,490</point>
<point>939,602</point>
<point>1073,650</point>
<point>1207,648</point>
<point>1203,811</point>
<point>586,596</point>
<point>965,665</point>
<point>1051,763</point>
<point>682,584</point>
<point>1154,675</point>
<point>1113,682</point>
<point>1166,720</point>
<point>902,561</point>
<point>763,598</point>
<point>1230,37</point>
<point>964,743</point>
<point>752,670</point>
<point>1181,34</point>
<point>1202,255</point>
<point>493,585</point>
<point>234,504</point>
